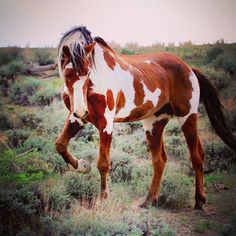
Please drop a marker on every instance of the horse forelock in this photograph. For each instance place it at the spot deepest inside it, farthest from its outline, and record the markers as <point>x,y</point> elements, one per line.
<point>76,39</point>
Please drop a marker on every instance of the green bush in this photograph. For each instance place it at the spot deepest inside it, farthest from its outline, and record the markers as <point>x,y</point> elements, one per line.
<point>10,54</point>
<point>5,122</point>
<point>121,166</point>
<point>141,179</point>
<point>44,96</point>
<point>226,62</point>
<point>176,146</point>
<point>213,52</point>
<point>43,57</point>
<point>23,89</point>
<point>30,120</point>
<point>16,137</point>
<point>173,128</point>
<point>126,51</point>
<point>218,156</point>
<point>219,78</point>
<point>175,188</point>
<point>83,186</point>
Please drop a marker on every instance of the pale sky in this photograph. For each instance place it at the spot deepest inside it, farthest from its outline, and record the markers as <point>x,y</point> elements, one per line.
<point>42,22</point>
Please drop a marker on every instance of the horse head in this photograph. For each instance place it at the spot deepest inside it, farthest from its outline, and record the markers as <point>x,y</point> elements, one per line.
<point>75,60</point>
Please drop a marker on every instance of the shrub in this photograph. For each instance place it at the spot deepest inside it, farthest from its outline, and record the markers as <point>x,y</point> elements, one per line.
<point>10,54</point>
<point>30,119</point>
<point>173,128</point>
<point>4,121</point>
<point>219,78</point>
<point>44,96</point>
<point>83,186</point>
<point>121,166</point>
<point>18,208</point>
<point>226,62</point>
<point>218,156</point>
<point>176,146</point>
<point>175,188</point>
<point>212,53</point>
<point>22,89</point>
<point>43,57</point>
<point>141,179</point>
<point>17,137</point>
<point>126,51</point>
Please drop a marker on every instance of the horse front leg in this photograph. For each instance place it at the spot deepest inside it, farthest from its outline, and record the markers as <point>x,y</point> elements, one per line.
<point>103,162</point>
<point>70,129</point>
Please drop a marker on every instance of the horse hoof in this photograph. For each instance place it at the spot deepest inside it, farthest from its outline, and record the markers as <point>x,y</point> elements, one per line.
<point>84,166</point>
<point>105,195</point>
<point>143,205</point>
<point>199,206</point>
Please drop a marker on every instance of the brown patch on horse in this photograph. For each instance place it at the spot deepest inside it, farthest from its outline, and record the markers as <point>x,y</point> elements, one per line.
<point>96,107</point>
<point>166,109</point>
<point>110,100</point>
<point>120,101</point>
<point>109,59</point>
<point>71,77</point>
<point>66,100</point>
<point>139,92</point>
<point>139,112</point>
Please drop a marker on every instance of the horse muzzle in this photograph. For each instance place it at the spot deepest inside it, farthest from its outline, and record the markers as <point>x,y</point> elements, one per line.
<point>81,117</point>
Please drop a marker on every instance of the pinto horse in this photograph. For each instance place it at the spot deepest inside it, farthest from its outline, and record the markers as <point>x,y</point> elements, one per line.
<point>103,87</point>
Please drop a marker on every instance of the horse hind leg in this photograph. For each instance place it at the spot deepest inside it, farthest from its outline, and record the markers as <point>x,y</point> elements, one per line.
<point>154,130</point>
<point>189,128</point>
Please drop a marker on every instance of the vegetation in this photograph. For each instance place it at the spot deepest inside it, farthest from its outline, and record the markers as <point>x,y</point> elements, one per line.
<point>41,195</point>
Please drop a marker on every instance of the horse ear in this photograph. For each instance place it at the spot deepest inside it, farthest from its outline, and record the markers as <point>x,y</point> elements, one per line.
<point>89,48</point>
<point>65,52</point>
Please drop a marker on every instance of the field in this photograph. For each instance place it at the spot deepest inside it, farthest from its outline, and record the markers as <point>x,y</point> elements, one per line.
<point>41,195</point>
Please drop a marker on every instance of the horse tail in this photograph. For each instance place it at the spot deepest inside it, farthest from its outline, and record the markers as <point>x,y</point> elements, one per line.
<point>215,110</point>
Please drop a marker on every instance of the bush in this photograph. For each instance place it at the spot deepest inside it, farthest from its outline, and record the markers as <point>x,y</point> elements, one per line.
<point>175,188</point>
<point>5,122</point>
<point>83,186</point>
<point>18,208</point>
<point>141,179</point>
<point>23,89</point>
<point>121,166</point>
<point>219,78</point>
<point>17,137</point>
<point>218,156</point>
<point>126,51</point>
<point>212,53</point>
<point>43,57</point>
<point>10,54</point>
<point>44,96</point>
<point>30,120</point>
<point>226,62</point>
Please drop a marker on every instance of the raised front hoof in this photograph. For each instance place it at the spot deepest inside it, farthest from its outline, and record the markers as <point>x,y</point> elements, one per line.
<point>84,166</point>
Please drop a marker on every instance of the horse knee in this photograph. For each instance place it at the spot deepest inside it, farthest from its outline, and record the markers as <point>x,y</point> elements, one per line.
<point>197,162</point>
<point>103,166</point>
<point>60,147</point>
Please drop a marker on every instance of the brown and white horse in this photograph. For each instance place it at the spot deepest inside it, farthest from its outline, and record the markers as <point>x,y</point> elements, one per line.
<point>103,87</point>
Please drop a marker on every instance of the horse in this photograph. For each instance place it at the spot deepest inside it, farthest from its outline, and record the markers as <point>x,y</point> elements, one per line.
<point>102,87</point>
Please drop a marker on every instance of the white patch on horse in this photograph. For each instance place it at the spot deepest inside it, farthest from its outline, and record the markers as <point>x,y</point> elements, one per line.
<point>74,119</point>
<point>194,101</point>
<point>65,89</point>
<point>109,116</point>
<point>79,102</point>
<point>148,123</point>
<point>151,96</point>
<point>69,65</point>
<point>104,78</point>
<point>148,61</point>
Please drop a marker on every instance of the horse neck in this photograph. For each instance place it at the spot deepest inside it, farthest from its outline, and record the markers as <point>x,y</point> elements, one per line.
<point>101,65</point>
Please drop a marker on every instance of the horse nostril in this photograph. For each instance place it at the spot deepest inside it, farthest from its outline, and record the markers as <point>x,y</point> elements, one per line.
<point>75,115</point>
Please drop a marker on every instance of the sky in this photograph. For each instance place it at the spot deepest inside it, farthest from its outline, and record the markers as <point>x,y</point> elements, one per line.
<point>41,23</point>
